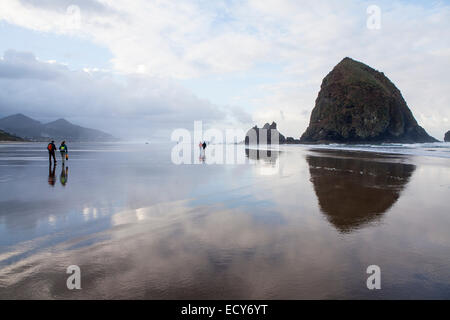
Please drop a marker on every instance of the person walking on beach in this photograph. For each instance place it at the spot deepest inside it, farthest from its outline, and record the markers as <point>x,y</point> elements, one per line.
<point>51,151</point>
<point>204,145</point>
<point>63,149</point>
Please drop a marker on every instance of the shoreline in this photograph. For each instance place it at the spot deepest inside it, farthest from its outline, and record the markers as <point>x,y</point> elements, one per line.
<point>435,149</point>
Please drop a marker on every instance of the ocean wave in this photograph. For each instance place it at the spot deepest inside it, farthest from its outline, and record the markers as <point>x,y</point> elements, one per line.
<point>435,149</point>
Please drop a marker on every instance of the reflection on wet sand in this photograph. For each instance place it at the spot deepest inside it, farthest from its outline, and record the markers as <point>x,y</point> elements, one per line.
<point>140,227</point>
<point>268,156</point>
<point>51,174</point>
<point>353,192</point>
<point>268,161</point>
<point>169,250</point>
<point>64,175</point>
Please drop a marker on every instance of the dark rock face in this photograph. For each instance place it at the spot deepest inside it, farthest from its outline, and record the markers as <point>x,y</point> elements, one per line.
<point>447,137</point>
<point>291,140</point>
<point>357,104</point>
<point>265,135</point>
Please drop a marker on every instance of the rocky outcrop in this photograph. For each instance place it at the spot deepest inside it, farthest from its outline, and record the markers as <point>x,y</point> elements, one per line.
<point>447,137</point>
<point>5,136</point>
<point>291,140</point>
<point>357,104</point>
<point>268,134</point>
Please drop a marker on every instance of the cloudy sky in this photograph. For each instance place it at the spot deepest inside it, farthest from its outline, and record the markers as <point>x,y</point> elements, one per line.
<point>140,68</point>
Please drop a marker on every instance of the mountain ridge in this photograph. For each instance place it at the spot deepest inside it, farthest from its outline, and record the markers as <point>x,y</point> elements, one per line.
<point>5,136</point>
<point>25,127</point>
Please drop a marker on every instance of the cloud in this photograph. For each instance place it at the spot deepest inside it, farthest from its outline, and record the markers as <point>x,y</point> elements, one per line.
<point>23,65</point>
<point>193,39</point>
<point>131,106</point>
<point>62,5</point>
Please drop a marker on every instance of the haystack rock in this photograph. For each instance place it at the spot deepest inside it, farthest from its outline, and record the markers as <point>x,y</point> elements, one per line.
<point>447,137</point>
<point>357,104</point>
<point>265,135</point>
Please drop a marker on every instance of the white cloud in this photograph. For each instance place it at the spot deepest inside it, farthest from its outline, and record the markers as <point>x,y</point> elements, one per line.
<point>132,106</point>
<point>186,39</point>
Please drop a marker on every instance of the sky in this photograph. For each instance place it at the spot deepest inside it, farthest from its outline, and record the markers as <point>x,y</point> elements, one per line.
<point>140,69</point>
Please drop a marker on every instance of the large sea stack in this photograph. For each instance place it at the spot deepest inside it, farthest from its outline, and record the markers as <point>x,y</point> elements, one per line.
<point>447,136</point>
<point>357,104</point>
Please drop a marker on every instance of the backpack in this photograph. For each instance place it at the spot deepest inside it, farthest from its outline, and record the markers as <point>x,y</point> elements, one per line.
<point>50,147</point>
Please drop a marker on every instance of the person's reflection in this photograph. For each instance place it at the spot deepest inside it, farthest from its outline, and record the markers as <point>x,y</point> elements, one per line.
<point>51,174</point>
<point>353,192</point>
<point>64,176</point>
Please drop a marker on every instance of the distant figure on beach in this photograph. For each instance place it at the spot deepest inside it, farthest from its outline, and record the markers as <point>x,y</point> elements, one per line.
<point>51,174</point>
<point>64,175</point>
<point>63,149</point>
<point>51,151</point>
<point>204,145</point>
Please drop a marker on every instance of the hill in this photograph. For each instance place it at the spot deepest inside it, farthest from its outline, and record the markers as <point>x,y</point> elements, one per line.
<point>61,129</point>
<point>4,136</point>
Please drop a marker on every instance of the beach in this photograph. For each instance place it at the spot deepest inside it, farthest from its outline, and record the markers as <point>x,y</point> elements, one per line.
<point>301,222</point>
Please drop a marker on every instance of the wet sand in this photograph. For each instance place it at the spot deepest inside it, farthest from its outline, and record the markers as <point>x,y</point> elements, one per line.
<point>295,224</point>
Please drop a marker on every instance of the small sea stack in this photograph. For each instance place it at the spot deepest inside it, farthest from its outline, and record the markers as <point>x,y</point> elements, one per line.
<point>447,136</point>
<point>268,134</point>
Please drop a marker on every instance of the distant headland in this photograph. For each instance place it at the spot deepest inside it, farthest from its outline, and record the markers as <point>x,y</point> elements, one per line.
<point>23,128</point>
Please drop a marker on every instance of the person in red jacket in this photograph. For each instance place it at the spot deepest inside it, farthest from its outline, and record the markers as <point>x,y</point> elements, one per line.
<point>51,151</point>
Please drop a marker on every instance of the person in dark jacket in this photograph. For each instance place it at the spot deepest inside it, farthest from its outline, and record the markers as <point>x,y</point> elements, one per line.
<point>63,149</point>
<point>51,151</point>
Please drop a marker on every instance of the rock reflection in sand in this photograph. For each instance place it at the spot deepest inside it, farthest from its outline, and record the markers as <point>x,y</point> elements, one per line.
<point>353,192</point>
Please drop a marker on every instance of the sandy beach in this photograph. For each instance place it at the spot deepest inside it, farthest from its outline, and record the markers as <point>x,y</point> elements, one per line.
<point>302,222</point>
